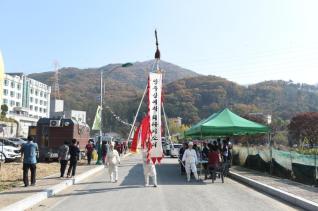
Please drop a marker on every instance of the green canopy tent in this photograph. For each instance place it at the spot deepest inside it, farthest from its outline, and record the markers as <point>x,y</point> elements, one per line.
<point>225,123</point>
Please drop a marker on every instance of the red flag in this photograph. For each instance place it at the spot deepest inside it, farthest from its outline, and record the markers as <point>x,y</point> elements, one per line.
<point>142,135</point>
<point>134,142</point>
<point>145,131</point>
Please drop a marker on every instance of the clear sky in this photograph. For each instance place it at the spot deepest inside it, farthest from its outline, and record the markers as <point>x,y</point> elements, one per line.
<point>246,41</point>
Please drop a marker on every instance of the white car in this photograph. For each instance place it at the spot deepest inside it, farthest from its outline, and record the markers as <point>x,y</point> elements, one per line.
<point>9,153</point>
<point>174,152</point>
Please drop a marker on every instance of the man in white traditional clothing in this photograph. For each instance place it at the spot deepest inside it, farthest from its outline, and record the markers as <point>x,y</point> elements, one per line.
<point>190,158</point>
<point>112,160</point>
<point>149,170</point>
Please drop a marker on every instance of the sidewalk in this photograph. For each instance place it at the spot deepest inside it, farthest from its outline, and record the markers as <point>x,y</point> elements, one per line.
<point>19,193</point>
<point>294,188</point>
<point>20,198</point>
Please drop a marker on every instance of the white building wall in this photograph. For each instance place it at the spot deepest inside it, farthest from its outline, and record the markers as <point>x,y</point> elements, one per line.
<point>12,92</point>
<point>39,99</point>
<point>27,100</point>
<point>77,115</point>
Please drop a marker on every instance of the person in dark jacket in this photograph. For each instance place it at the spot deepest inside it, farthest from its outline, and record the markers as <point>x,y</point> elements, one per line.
<point>104,151</point>
<point>204,156</point>
<point>63,157</point>
<point>219,144</point>
<point>214,161</point>
<point>181,152</point>
<point>74,155</point>
<point>225,150</point>
<point>89,152</point>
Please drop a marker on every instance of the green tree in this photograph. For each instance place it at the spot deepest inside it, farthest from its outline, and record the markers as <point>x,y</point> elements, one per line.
<point>176,129</point>
<point>4,110</point>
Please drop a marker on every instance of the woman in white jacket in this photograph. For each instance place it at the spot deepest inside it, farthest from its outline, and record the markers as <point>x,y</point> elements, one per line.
<point>112,160</point>
<point>190,158</point>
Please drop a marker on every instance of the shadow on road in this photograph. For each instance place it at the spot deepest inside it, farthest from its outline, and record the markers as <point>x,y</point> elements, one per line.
<point>95,190</point>
<point>167,174</point>
<point>135,176</point>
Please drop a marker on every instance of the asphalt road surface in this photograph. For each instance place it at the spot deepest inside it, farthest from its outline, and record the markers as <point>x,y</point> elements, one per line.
<point>173,193</point>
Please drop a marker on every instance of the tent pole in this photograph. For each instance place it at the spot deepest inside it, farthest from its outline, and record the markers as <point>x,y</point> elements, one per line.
<point>271,154</point>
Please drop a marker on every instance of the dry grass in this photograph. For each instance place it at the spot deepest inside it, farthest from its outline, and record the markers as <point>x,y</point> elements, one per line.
<point>11,173</point>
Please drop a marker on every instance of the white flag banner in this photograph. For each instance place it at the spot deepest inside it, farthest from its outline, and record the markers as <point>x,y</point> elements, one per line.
<point>154,91</point>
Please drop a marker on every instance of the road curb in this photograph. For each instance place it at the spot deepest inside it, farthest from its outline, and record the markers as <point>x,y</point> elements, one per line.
<point>283,195</point>
<point>49,192</point>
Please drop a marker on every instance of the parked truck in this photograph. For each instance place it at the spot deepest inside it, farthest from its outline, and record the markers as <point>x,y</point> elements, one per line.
<point>51,133</point>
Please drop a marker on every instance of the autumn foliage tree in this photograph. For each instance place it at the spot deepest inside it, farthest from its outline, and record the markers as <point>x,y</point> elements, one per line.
<point>304,126</point>
<point>254,139</point>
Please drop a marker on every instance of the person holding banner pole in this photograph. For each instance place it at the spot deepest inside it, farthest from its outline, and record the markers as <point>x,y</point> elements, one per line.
<point>149,170</point>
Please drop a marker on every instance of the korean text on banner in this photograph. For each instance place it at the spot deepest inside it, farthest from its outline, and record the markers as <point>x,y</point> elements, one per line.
<point>155,88</point>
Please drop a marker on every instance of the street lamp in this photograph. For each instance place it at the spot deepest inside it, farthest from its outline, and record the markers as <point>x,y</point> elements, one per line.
<point>125,65</point>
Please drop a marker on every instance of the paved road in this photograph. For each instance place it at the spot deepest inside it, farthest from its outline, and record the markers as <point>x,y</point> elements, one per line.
<point>173,193</point>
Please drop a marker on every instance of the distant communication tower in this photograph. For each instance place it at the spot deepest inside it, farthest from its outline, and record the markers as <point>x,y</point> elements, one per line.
<point>56,87</point>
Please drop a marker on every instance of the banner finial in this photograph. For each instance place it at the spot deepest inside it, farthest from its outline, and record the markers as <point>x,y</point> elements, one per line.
<point>157,54</point>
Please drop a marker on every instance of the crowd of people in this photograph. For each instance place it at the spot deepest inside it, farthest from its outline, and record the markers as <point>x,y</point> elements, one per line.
<point>216,154</point>
<point>69,154</point>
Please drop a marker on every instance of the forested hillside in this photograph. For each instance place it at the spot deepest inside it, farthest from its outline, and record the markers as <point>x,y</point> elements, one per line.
<point>186,94</point>
<point>195,98</point>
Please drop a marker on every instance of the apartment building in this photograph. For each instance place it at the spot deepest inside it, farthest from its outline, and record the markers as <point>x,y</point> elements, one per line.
<point>27,100</point>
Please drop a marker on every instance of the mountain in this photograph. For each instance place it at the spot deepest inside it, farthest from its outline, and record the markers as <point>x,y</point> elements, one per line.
<point>198,97</point>
<point>135,75</point>
<point>186,93</point>
<point>80,88</point>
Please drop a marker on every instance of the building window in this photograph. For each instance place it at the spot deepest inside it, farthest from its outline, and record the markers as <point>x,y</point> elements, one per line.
<point>40,109</point>
<point>6,82</point>
<point>5,101</point>
<point>45,95</point>
<point>5,92</point>
<point>35,108</point>
<point>41,102</point>
<point>44,103</point>
<point>36,101</point>
<point>41,94</point>
<point>31,91</point>
<point>19,86</point>
<point>44,110</point>
<point>17,104</point>
<point>12,93</point>
<point>36,92</point>
<point>31,99</point>
<point>12,103</point>
<point>19,96</point>
<point>31,107</point>
<point>12,84</point>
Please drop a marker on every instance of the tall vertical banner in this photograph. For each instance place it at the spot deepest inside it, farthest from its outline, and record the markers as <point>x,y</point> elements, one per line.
<point>154,91</point>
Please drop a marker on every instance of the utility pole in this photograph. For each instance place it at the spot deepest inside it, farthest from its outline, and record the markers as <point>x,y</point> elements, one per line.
<point>56,87</point>
<point>101,105</point>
